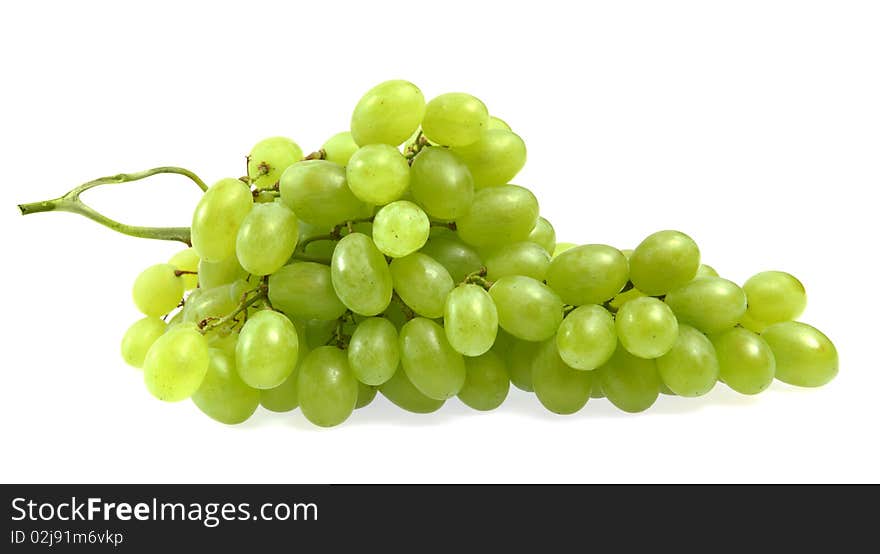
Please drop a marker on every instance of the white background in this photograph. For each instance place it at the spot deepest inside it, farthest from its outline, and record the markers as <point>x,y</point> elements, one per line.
<point>752,126</point>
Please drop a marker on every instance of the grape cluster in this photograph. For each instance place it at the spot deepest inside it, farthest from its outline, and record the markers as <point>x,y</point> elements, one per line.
<point>421,272</point>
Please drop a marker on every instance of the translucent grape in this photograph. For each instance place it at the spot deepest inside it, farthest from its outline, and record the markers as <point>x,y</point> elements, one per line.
<point>317,192</point>
<point>213,303</point>
<point>217,217</point>
<point>223,396</point>
<point>365,396</point>
<point>269,158</point>
<point>139,338</point>
<point>285,397</point>
<point>705,270</point>
<point>745,361</point>
<point>630,383</point>
<point>562,247</point>
<point>401,392</point>
<point>459,259</point>
<point>305,290</point>
<point>497,123</point>
<point>378,174</point>
<point>804,356</point>
<point>470,320</point>
<point>340,148</point>
<point>775,296</point>
<point>586,337</point>
<point>157,290</point>
<point>441,183</point>
<point>589,274</point>
<point>499,215</point>
<point>486,384</point>
<point>328,391</point>
<point>751,323</point>
<point>455,119</point>
<point>527,309</point>
<point>267,349</point>
<point>267,238</point>
<point>544,235</point>
<point>624,297</point>
<point>646,327</point>
<point>374,351</point>
<point>690,368</point>
<point>560,388</point>
<point>400,228</point>
<point>664,261</point>
<point>518,258</point>
<point>430,362</point>
<point>176,363</point>
<point>214,274</point>
<point>360,275</point>
<point>711,304</point>
<point>422,283</point>
<point>187,260</point>
<point>520,356</point>
<point>495,158</point>
<point>388,113</point>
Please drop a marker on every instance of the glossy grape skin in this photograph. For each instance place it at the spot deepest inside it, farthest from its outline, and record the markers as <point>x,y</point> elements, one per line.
<point>560,388</point>
<point>317,192</point>
<point>401,392</point>
<point>664,261</point>
<point>441,183</point>
<point>470,320</point>
<point>374,351</point>
<point>527,309</point>
<point>589,274</point>
<point>223,396</point>
<point>752,324</point>
<point>486,384</point>
<point>157,290</point>
<point>217,217</point>
<point>187,260</point>
<point>139,338</point>
<point>544,235</point>
<point>267,238</point>
<point>388,113</point>
<point>214,274</point>
<point>430,362</point>
<point>400,228</point>
<point>497,123</point>
<point>706,270</point>
<point>269,158</point>
<point>624,297</point>
<point>422,284</point>
<point>499,215</point>
<point>213,303</point>
<point>365,396</point>
<point>176,363</point>
<point>805,357</point>
<point>360,275</point>
<point>305,290</point>
<point>459,259</point>
<point>495,158</point>
<point>561,247</point>
<point>285,397</point>
<point>519,355</point>
<point>587,338</point>
<point>518,258</point>
<point>328,391</point>
<point>455,119</point>
<point>378,174</point>
<point>775,296</point>
<point>339,148</point>
<point>711,304</point>
<point>267,349</point>
<point>746,363</point>
<point>629,382</point>
<point>646,327</point>
<point>690,368</point>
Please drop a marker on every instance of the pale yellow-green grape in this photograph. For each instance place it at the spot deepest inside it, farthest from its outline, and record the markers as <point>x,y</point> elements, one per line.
<point>664,261</point>
<point>360,275</point>
<point>562,247</point>
<point>775,296</point>
<point>217,217</point>
<point>751,323</point>
<point>441,183</point>
<point>624,297</point>
<point>422,284</point>
<point>690,368</point>
<point>222,341</point>
<point>596,391</point>
<point>305,290</point>
<point>486,384</point>
<point>470,320</point>
<point>139,338</point>
<point>804,355</point>
<point>560,388</point>
<point>629,382</point>
<point>374,351</point>
<point>267,349</point>
<point>544,235</point>
<point>176,363</point>
<point>285,397</point>
<point>627,252</point>
<point>497,123</point>
<point>495,158</point>
<point>157,290</point>
<point>519,355</point>
<point>455,119</point>
<point>527,309</point>
<point>378,174</point>
<point>430,362</point>
<point>319,331</point>
<point>267,238</point>
<point>187,260</point>
<point>745,361</point>
<point>499,215</point>
<point>269,158</point>
<point>646,327</point>
<point>705,270</point>
<point>340,148</point>
<point>400,228</point>
<point>401,392</point>
<point>328,391</point>
<point>518,258</point>
<point>317,192</point>
<point>589,274</point>
<point>388,113</point>
<point>711,304</point>
<point>366,394</point>
<point>213,303</point>
<point>459,259</point>
<point>223,396</point>
<point>214,274</point>
<point>586,337</point>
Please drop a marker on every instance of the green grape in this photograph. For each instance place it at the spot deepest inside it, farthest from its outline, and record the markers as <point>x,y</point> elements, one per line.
<point>627,252</point>
<point>495,158</point>
<point>459,259</point>
<point>430,362</point>
<point>388,113</point>
<point>267,349</point>
<point>374,351</point>
<point>596,391</point>
<point>285,397</point>
<point>366,394</point>
<point>497,123</point>
<point>664,389</point>
<point>378,174</point>
<point>317,192</point>
<point>214,274</point>
<point>486,383</point>
<point>328,392</point>
<point>267,238</point>
<point>519,356</point>
<point>775,296</point>
<point>711,304</point>
<point>705,270</point>
<point>624,297</point>
<point>518,258</point>
<point>217,217</point>
<point>222,341</point>
<point>745,361</point>
<point>340,148</point>
<point>646,327</point>
<point>499,215</point>
<point>422,284</point>
<point>400,228</point>
<point>187,260</point>
<point>470,320</point>
<point>664,261</point>
<point>401,392</point>
<point>544,235</point>
<point>586,338</point>
<point>455,119</point>
<point>527,309</point>
<point>360,275</point>
<point>223,396</point>
<point>562,247</point>
<point>690,368</point>
<point>176,363</point>
<point>560,388</point>
<point>319,331</point>
<point>157,290</point>
<point>139,338</point>
<point>804,356</point>
<point>213,303</point>
<point>589,274</point>
<point>629,382</point>
<point>269,158</point>
<point>751,323</point>
<point>305,290</point>
<point>441,183</point>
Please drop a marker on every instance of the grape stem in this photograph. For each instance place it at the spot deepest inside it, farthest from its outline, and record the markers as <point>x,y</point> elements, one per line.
<point>447,224</point>
<point>259,293</point>
<point>72,203</point>
<point>478,277</point>
<point>334,234</point>
<point>317,155</point>
<point>413,149</point>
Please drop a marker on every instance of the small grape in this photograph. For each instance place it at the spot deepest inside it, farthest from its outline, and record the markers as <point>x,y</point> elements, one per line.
<point>422,283</point>
<point>629,382</point>
<point>560,388</point>
<point>223,396</point>
<point>543,235</point>
<point>775,296</point>
<point>139,338</point>
<point>157,290</point>
<point>340,148</point>
<point>589,274</point>
<point>388,113</point>
<point>430,362</point>
<point>494,159</point>
<point>527,309</point>
<point>646,327</point>
<point>805,357</point>
<point>360,275</point>
<point>441,183</point>
<point>690,367</point>
<point>486,384</point>
<point>711,304</point>
<point>400,391</point>
<point>378,174</point>
<point>187,260</point>
<point>518,258</point>
<point>317,192</point>
<point>459,259</point>
<point>305,290</point>
<point>328,391</point>
<point>499,215</point>
<point>176,363</point>
<point>400,228</point>
<point>586,338</point>
<point>374,351</point>
<point>664,261</point>
<point>267,238</point>
<point>745,361</point>
<point>455,119</point>
<point>267,350</point>
<point>470,320</point>
<point>217,217</point>
<point>269,158</point>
